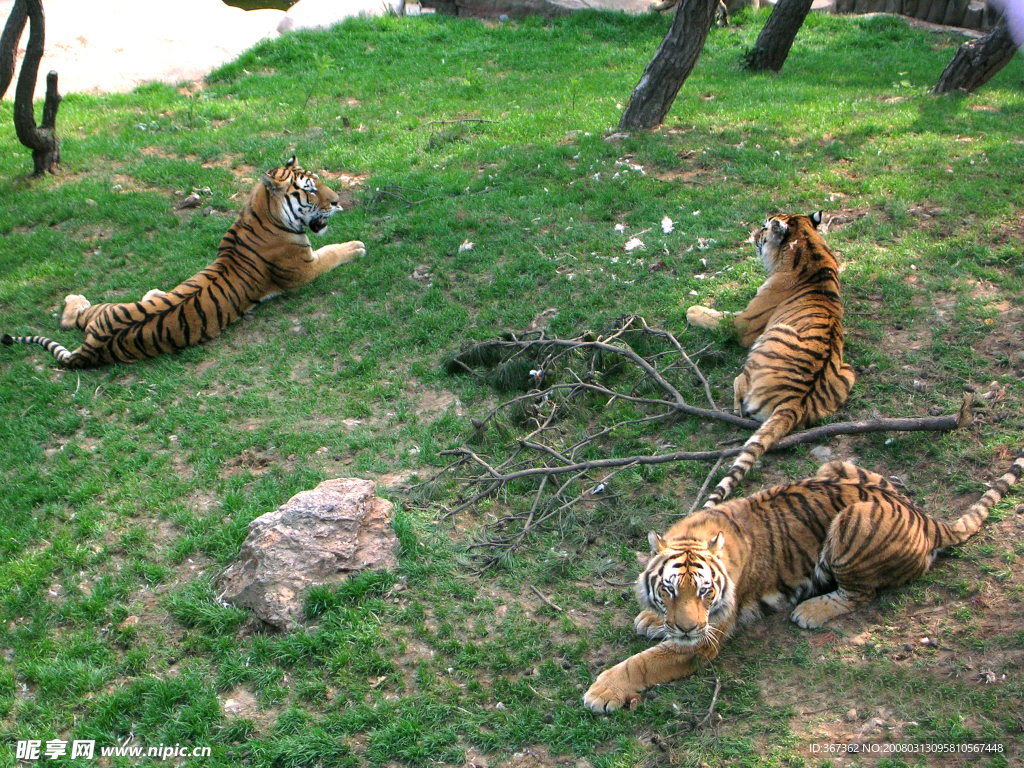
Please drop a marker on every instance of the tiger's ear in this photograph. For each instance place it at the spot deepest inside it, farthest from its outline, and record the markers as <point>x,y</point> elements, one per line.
<point>657,543</point>
<point>717,543</point>
<point>779,228</point>
<point>292,161</point>
<point>271,183</point>
<point>816,219</point>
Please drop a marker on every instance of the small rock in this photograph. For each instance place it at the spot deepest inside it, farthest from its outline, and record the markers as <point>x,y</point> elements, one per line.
<point>421,275</point>
<point>192,201</point>
<point>908,647</point>
<point>821,453</point>
<point>851,715</point>
<point>499,706</point>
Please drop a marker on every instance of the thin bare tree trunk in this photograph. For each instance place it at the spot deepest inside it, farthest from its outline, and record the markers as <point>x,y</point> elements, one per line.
<point>41,139</point>
<point>977,61</point>
<point>776,38</point>
<point>672,63</point>
<point>9,43</point>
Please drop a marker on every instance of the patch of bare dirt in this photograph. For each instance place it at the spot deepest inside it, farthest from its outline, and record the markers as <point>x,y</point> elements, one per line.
<point>1011,234</point>
<point>836,220</point>
<point>250,460</point>
<point>168,155</point>
<point>241,704</point>
<point>539,756</point>
<point>431,402</point>
<point>684,176</point>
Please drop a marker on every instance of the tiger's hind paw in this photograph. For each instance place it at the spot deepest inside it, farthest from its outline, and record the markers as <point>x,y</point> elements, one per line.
<point>74,304</point>
<point>811,614</point>
<point>702,317</point>
<point>154,293</point>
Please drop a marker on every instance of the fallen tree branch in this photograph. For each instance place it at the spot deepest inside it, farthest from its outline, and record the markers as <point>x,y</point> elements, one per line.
<point>927,424</point>
<point>580,402</point>
<point>452,122</point>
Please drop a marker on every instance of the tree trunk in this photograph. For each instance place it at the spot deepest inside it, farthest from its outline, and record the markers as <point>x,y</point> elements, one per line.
<point>977,61</point>
<point>672,63</point>
<point>777,36</point>
<point>41,139</point>
<point>9,43</point>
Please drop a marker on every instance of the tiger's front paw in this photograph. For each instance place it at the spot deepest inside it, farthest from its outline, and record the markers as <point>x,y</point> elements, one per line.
<point>609,693</point>
<point>356,249</point>
<point>702,317</point>
<point>650,624</point>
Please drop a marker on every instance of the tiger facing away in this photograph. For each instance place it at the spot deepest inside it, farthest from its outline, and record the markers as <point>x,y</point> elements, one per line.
<point>794,374</point>
<point>265,252</point>
<point>827,543</point>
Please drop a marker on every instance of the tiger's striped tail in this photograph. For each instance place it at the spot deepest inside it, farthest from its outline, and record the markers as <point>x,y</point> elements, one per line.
<point>971,521</point>
<point>778,425</point>
<point>54,348</point>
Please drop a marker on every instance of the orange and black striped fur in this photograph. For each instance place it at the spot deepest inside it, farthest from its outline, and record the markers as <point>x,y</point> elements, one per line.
<point>266,251</point>
<point>825,544</point>
<point>794,374</point>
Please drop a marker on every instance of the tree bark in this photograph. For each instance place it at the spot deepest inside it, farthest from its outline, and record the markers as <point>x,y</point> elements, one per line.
<point>776,38</point>
<point>977,61</point>
<point>672,63</point>
<point>41,139</point>
<point>9,43</point>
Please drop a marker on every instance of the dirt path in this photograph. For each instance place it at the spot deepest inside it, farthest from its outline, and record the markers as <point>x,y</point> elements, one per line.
<point>114,45</point>
<point>101,46</point>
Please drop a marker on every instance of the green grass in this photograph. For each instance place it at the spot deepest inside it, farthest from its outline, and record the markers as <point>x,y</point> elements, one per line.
<point>126,490</point>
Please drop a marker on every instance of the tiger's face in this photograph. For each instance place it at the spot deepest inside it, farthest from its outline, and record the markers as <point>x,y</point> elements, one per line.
<point>770,241</point>
<point>302,200</point>
<point>688,586</point>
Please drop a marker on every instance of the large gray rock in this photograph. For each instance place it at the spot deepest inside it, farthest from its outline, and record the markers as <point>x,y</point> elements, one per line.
<point>317,537</point>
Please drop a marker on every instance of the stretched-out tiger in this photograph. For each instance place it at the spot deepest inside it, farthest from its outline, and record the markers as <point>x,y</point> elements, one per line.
<point>794,374</point>
<point>265,252</point>
<point>826,543</point>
